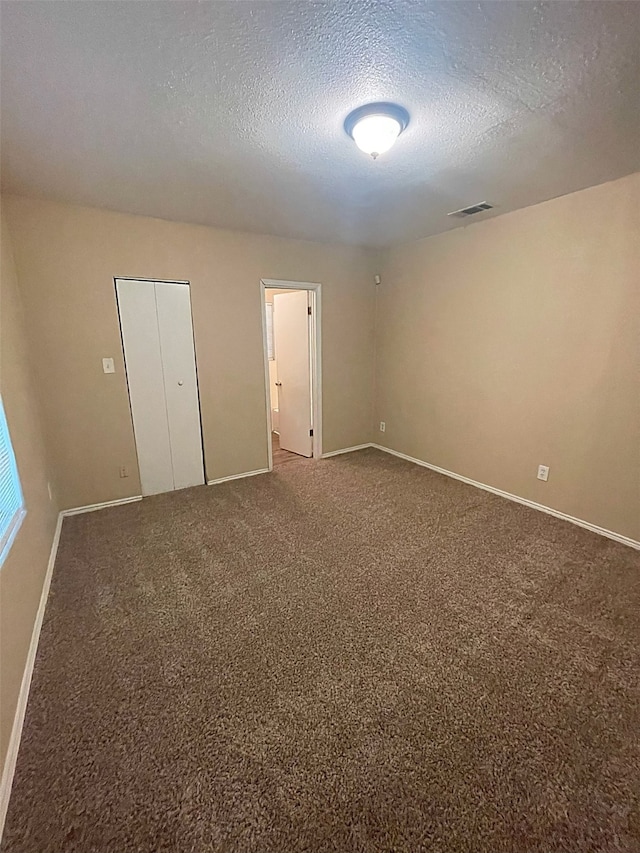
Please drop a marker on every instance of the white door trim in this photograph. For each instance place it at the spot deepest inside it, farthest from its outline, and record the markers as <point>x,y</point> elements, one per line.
<point>316,356</point>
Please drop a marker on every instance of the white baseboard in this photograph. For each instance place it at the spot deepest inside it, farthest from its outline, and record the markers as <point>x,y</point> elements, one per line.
<point>237,476</point>
<point>346,450</point>
<point>21,708</point>
<point>78,510</point>
<point>602,531</point>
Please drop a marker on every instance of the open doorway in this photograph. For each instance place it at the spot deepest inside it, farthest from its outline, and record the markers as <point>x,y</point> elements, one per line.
<point>291,329</point>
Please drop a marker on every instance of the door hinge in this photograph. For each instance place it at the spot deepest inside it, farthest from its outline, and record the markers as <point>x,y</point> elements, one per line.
<point>309,310</point>
<point>310,432</point>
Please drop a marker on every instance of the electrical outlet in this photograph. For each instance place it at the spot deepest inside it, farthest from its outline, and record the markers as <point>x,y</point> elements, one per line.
<point>543,472</point>
<point>383,426</point>
<point>124,472</point>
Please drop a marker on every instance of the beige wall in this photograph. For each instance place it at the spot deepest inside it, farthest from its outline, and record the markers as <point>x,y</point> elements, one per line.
<point>23,572</point>
<point>516,341</point>
<point>67,258</point>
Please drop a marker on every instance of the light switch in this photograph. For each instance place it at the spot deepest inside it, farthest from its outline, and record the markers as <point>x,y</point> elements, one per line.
<point>108,366</point>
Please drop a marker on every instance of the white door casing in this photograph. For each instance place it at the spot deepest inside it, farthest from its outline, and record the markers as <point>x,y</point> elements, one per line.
<point>291,323</point>
<point>157,337</point>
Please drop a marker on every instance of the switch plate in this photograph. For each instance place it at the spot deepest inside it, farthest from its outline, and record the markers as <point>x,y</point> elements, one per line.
<point>124,472</point>
<point>543,472</point>
<point>108,366</point>
<point>383,426</point>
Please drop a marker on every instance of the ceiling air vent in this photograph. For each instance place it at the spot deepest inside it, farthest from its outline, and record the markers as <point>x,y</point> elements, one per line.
<point>469,211</point>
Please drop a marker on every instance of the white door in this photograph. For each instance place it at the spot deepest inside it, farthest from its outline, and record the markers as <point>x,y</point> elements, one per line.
<point>180,383</point>
<point>291,328</point>
<point>143,359</point>
<point>157,336</point>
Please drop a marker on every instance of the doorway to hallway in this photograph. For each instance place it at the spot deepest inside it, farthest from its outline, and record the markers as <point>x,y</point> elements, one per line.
<point>291,330</point>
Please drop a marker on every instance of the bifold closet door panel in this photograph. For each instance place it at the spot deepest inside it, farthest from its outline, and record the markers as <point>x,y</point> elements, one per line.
<point>173,303</point>
<point>143,358</point>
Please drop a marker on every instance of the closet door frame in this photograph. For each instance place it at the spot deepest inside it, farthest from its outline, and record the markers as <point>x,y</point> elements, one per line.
<point>154,281</point>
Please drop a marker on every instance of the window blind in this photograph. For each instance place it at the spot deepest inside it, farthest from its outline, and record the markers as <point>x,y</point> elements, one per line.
<point>12,509</point>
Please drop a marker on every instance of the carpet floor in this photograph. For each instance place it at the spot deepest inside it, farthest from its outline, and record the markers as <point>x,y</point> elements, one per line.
<point>352,654</point>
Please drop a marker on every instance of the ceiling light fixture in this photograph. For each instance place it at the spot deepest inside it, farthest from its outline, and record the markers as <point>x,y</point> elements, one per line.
<point>375,127</point>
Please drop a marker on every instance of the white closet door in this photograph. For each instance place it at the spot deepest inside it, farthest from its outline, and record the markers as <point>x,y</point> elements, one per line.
<point>157,336</point>
<point>173,302</point>
<point>143,357</point>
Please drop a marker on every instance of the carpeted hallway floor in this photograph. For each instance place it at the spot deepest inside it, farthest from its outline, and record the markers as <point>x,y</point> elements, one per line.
<point>355,654</point>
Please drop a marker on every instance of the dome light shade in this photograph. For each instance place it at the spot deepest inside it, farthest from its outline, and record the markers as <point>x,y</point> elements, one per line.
<point>375,127</point>
<point>376,134</point>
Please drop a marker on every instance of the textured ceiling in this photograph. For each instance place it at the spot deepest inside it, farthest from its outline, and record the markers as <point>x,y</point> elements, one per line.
<point>230,113</point>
